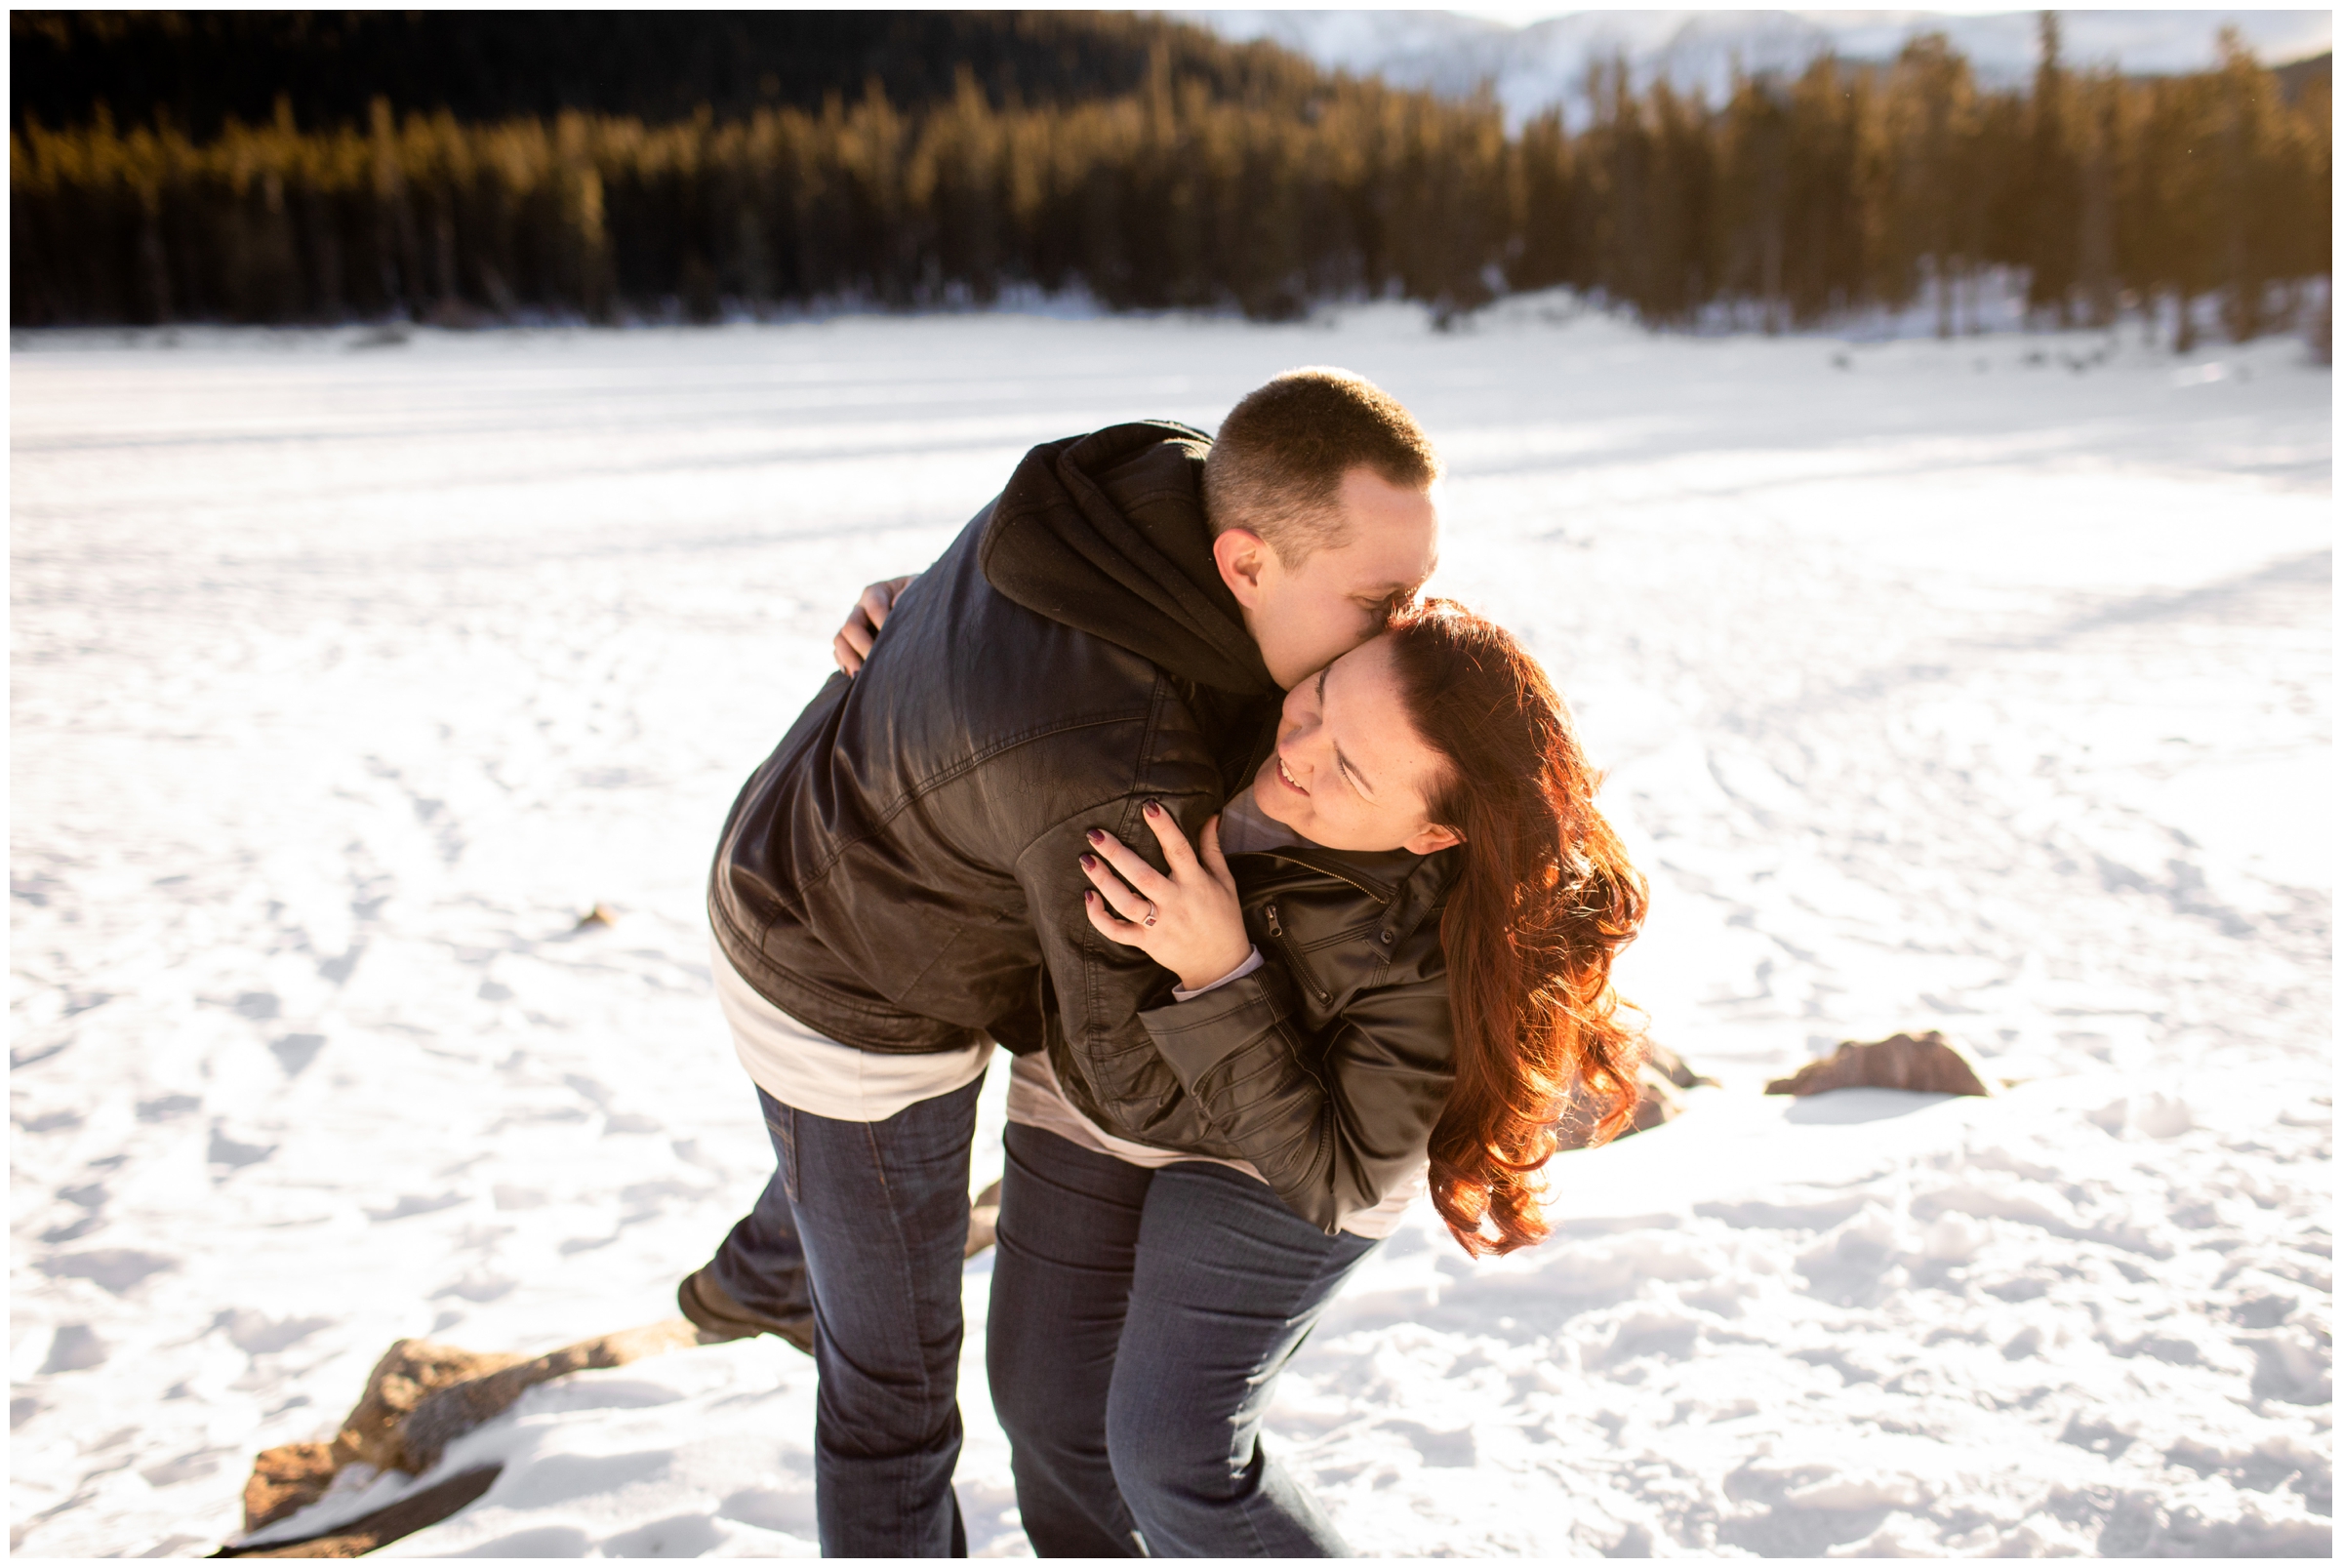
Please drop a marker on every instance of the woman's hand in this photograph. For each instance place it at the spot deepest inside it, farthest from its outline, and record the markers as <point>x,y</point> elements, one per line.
<point>851,644</point>
<point>1189,921</point>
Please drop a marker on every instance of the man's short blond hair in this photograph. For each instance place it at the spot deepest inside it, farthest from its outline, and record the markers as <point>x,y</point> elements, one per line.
<point>1276,465</point>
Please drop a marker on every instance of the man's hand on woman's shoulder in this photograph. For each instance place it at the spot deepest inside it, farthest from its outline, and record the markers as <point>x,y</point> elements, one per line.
<point>851,644</point>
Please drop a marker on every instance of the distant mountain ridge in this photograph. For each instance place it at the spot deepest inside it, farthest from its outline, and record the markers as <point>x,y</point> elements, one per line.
<point>1537,67</point>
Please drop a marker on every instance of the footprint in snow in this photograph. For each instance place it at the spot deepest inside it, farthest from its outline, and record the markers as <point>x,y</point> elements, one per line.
<point>256,1332</point>
<point>118,1269</point>
<point>187,1468</point>
<point>295,1051</point>
<point>409,1205</point>
<point>75,1348</point>
<point>1440,1450</point>
<point>225,1150</point>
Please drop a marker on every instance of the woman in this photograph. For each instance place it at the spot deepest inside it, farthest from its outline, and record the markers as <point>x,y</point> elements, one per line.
<point>1397,978</point>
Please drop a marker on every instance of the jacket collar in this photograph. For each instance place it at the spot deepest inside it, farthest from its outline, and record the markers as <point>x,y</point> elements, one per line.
<point>1414,882</point>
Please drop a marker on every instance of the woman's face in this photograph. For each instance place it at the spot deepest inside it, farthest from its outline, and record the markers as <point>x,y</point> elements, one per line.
<point>1350,771</point>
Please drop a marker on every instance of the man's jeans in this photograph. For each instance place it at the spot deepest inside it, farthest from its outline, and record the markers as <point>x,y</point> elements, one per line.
<point>879,1213</point>
<point>1139,1321</point>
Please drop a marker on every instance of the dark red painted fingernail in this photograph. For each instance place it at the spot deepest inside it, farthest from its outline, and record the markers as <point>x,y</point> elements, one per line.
<point>1155,808</point>
<point>1089,863</point>
<point>1095,835</point>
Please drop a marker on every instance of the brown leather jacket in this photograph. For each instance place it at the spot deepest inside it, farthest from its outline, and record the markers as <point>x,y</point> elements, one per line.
<point>902,872</point>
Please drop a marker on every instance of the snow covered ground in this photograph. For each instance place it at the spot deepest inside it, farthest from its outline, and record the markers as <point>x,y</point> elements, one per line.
<point>1982,685</point>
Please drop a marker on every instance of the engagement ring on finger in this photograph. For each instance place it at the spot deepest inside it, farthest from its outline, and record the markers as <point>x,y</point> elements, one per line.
<point>1150,920</point>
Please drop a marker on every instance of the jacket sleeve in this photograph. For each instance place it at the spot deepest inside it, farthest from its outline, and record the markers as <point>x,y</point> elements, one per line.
<point>1119,1079</point>
<point>1332,1129</point>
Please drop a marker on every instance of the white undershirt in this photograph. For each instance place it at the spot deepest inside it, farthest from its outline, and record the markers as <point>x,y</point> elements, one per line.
<point>801,1067</point>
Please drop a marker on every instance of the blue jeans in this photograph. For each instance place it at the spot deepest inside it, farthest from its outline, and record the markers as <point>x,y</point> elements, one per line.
<point>1139,1321</point>
<point>879,1211</point>
<point>762,1265</point>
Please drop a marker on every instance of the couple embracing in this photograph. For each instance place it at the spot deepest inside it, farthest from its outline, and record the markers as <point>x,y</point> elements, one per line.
<point>1286,894</point>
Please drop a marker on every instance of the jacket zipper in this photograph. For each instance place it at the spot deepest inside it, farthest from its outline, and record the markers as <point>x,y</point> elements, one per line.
<point>1293,961</point>
<point>1375,891</point>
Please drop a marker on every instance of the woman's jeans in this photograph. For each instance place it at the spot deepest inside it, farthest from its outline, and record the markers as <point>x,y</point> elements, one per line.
<point>1139,1321</point>
<point>881,1209</point>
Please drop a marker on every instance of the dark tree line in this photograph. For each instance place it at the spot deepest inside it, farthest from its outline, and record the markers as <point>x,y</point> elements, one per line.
<point>198,70</point>
<point>1854,185</point>
<point>1261,186</point>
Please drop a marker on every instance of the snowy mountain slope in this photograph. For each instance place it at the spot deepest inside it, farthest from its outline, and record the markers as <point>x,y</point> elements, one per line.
<point>1983,685</point>
<point>1544,63</point>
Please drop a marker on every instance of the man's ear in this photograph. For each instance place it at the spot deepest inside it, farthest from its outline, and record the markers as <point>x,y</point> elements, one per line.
<point>1241,555</point>
<point>1432,838</point>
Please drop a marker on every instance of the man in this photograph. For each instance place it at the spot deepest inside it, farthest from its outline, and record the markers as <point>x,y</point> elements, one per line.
<point>897,888</point>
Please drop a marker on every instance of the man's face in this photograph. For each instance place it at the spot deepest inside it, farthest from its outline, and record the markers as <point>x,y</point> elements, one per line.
<point>1305,617</point>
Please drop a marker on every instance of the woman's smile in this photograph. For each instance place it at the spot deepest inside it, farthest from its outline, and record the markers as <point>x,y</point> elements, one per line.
<point>1349,734</point>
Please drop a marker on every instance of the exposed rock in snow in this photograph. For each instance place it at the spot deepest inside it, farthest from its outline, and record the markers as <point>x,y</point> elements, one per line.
<point>984,1219</point>
<point>1930,1063</point>
<point>1656,1100</point>
<point>285,1479</point>
<point>446,1413</point>
<point>409,1374</point>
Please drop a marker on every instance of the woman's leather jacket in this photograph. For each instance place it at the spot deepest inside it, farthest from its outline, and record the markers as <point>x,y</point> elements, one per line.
<point>1328,1067</point>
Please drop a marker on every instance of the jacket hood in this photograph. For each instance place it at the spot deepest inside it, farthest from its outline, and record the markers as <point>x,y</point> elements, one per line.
<point>1106,532</point>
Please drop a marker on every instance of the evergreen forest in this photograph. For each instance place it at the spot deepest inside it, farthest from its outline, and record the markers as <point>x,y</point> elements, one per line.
<point>465,168</point>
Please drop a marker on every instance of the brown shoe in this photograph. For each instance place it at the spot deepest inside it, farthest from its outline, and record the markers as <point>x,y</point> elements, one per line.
<point>719,1317</point>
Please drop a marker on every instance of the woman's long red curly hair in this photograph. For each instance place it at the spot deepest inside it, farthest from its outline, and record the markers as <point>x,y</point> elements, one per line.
<point>1544,902</point>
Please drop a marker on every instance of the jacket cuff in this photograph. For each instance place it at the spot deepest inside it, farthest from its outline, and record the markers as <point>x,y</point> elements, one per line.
<point>1252,961</point>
